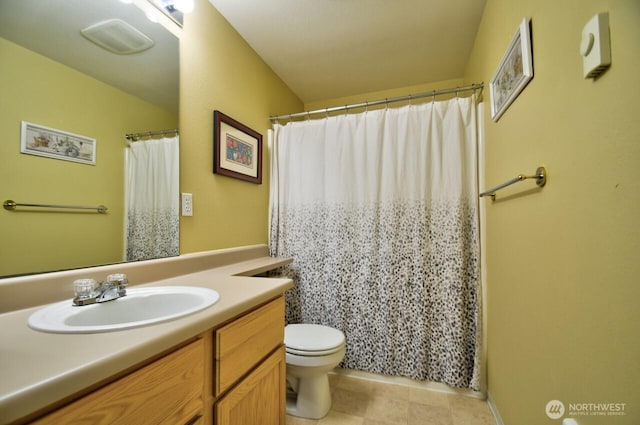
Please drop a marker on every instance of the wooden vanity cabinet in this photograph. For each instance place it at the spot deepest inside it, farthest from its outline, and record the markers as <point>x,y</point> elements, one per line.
<point>250,385</point>
<point>167,391</point>
<point>231,375</point>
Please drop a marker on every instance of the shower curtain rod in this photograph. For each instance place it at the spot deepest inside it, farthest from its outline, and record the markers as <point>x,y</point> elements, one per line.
<point>386,101</point>
<point>136,136</point>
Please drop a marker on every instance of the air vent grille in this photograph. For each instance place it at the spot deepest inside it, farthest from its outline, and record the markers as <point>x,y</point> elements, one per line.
<point>117,37</point>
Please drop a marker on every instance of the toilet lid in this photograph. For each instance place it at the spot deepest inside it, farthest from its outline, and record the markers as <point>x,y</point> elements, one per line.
<point>312,339</point>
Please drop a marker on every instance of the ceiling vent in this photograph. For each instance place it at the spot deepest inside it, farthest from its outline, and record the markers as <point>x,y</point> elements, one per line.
<point>117,37</point>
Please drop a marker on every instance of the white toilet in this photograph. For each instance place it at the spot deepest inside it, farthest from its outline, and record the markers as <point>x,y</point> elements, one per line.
<point>312,351</point>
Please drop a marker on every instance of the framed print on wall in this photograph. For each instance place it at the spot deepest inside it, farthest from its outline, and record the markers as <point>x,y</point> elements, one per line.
<point>237,149</point>
<point>39,140</point>
<point>514,72</point>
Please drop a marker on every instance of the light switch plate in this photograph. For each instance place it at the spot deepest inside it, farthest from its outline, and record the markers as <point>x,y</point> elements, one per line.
<point>187,204</point>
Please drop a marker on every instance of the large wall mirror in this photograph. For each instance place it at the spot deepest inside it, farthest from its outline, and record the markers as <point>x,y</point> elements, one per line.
<point>52,76</point>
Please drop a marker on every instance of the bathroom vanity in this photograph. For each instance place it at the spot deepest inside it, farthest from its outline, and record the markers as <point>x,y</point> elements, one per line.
<point>222,365</point>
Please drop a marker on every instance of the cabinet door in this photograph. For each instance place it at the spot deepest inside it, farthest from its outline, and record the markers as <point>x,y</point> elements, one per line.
<point>243,343</point>
<point>259,399</point>
<point>168,391</point>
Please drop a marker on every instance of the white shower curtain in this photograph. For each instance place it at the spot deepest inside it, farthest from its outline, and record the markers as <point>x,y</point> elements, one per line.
<point>379,212</point>
<point>152,199</point>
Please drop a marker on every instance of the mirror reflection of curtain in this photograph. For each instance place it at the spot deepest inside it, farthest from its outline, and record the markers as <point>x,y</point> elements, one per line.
<point>379,212</point>
<point>152,199</point>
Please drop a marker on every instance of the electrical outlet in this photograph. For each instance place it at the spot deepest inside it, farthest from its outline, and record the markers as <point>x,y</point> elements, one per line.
<point>187,205</point>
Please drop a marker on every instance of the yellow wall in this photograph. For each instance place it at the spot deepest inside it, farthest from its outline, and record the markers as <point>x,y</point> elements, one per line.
<point>219,71</point>
<point>562,263</point>
<point>38,90</point>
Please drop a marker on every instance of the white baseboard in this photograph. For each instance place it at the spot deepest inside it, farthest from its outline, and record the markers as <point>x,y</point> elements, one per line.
<point>494,410</point>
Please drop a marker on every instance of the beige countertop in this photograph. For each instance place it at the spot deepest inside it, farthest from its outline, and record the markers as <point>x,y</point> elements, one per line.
<point>38,369</point>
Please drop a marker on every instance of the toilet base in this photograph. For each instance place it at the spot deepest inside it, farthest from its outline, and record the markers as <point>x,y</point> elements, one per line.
<point>312,399</point>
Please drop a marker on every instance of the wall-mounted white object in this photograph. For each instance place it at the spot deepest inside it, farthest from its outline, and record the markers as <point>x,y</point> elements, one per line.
<point>187,204</point>
<point>595,46</point>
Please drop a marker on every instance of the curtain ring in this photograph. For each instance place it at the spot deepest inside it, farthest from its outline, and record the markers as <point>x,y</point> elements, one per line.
<point>386,104</point>
<point>289,117</point>
<point>366,106</point>
<point>410,97</point>
<point>433,97</point>
<point>308,116</point>
<point>326,112</point>
<point>457,91</point>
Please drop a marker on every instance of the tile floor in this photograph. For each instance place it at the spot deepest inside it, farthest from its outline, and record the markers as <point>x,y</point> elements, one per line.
<point>359,401</point>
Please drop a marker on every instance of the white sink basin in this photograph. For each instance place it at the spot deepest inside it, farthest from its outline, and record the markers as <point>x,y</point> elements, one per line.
<point>141,307</point>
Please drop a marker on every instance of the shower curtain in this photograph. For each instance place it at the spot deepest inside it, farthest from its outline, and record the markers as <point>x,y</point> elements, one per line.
<point>379,212</point>
<point>152,199</point>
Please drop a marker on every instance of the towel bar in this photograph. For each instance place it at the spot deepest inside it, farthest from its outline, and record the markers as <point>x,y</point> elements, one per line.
<point>11,205</point>
<point>540,176</point>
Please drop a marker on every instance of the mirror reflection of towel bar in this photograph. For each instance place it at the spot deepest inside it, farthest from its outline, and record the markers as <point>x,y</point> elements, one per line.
<point>540,176</point>
<point>11,205</point>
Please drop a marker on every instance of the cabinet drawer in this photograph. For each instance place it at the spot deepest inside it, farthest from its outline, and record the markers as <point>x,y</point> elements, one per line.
<point>259,399</point>
<point>167,391</point>
<point>241,344</point>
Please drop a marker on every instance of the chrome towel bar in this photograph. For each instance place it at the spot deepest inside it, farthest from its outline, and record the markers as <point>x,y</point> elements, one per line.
<point>11,205</point>
<point>540,176</point>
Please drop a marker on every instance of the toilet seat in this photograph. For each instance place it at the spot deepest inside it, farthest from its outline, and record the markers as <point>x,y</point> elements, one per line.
<point>312,340</point>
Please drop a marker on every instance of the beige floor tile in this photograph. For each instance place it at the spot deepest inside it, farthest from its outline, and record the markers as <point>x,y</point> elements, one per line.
<point>294,420</point>
<point>429,397</point>
<point>337,418</point>
<point>354,384</point>
<point>334,379</point>
<point>369,421</point>
<point>468,403</point>
<point>359,401</point>
<point>470,411</point>
<point>351,402</point>
<point>394,391</point>
<point>424,414</point>
<point>467,418</point>
<point>388,410</point>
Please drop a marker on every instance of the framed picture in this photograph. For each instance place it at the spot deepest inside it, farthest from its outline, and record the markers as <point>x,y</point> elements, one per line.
<point>514,72</point>
<point>237,149</point>
<point>39,140</point>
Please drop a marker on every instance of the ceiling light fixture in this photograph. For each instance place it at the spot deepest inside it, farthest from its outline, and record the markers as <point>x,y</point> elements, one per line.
<point>152,16</point>
<point>184,6</point>
<point>172,9</point>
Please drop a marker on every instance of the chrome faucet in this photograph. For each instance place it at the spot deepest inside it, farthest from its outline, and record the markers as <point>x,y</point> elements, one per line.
<point>89,291</point>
